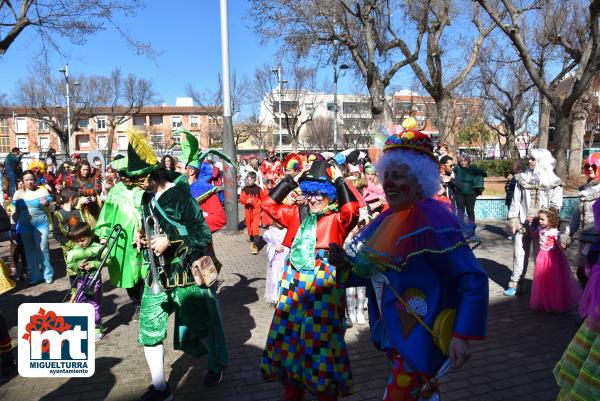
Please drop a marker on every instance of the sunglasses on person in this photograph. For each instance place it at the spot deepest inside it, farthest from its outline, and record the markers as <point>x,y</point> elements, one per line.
<point>315,196</point>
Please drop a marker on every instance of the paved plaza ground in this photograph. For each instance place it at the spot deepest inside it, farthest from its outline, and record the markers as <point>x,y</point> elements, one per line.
<point>514,363</point>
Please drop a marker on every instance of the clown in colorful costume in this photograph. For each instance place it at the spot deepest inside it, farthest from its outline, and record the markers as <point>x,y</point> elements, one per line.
<point>305,347</point>
<point>421,269</point>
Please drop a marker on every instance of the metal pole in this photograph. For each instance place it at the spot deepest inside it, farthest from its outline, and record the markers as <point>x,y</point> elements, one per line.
<point>280,94</point>
<point>68,112</point>
<point>335,108</point>
<point>229,172</point>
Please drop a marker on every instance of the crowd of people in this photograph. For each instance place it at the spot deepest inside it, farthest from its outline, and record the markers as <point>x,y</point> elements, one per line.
<point>388,232</point>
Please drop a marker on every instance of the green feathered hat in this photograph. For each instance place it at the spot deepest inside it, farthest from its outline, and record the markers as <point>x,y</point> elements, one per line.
<point>119,164</point>
<point>141,159</point>
<point>189,146</point>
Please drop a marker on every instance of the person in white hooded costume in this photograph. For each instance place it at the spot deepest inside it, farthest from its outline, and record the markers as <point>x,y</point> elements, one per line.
<point>536,188</point>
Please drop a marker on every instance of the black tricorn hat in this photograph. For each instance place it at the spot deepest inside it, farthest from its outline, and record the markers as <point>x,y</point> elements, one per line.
<point>318,172</point>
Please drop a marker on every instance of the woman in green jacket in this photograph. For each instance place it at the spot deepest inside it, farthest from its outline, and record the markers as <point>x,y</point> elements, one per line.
<point>471,186</point>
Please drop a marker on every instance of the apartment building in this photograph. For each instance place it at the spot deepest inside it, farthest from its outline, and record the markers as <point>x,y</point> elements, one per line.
<point>19,128</point>
<point>354,119</point>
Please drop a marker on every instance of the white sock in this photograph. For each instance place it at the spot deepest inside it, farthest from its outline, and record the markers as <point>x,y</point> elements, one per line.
<point>155,356</point>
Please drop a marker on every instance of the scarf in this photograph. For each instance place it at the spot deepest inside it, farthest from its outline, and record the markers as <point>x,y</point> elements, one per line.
<point>305,243</point>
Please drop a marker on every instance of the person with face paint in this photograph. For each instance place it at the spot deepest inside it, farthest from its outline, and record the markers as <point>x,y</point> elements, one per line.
<point>429,294</point>
<point>31,214</point>
<point>582,218</point>
<point>305,348</point>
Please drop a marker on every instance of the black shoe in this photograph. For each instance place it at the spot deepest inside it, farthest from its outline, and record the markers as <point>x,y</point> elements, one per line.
<point>153,394</point>
<point>212,378</point>
<point>136,314</point>
<point>9,365</point>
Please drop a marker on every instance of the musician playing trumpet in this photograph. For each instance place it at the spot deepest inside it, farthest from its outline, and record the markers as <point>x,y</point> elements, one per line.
<point>176,235</point>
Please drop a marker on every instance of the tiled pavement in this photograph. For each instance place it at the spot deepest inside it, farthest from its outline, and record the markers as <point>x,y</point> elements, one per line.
<point>514,363</point>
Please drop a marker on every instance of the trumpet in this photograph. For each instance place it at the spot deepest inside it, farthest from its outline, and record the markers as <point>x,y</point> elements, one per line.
<point>102,255</point>
<point>152,230</point>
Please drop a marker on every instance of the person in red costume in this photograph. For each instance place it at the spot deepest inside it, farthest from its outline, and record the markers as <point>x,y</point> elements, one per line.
<point>305,348</point>
<point>271,167</point>
<point>250,198</point>
<point>206,195</point>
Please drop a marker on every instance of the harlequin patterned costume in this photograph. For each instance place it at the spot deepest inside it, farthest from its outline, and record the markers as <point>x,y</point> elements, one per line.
<point>306,344</point>
<point>423,274</point>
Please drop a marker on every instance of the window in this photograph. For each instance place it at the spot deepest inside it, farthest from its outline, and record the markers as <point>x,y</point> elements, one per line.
<point>176,122</point>
<point>102,142</point>
<point>156,139</point>
<point>122,142</point>
<point>101,123</point>
<point>83,142</point>
<point>156,120</point>
<point>83,123</point>
<point>309,106</point>
<point>42,126</point>
<point>123,125</point>
<point>139,121</point>
<point>20,125</point>
<point>420,107</point>
<point>43,143</point>
<point>4,144</point>
<point>3,126</point>
<point>22,142</point>
<point>194,121</point>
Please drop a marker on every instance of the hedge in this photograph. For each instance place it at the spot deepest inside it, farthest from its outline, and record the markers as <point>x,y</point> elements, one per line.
<point>497,167</point>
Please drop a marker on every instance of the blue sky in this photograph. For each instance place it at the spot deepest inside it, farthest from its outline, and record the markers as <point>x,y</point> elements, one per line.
<point>186,32</point>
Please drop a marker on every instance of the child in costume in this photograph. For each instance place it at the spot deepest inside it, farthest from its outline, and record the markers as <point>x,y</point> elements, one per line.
<point>554,288</point>
<point>305,348</point>
<point>63,218</point>
<point>250,198</point>
<point>578,371</point>
<point>84,256</point>
<point>430,295</point>
<point>265,220</point>
<point>276,257</point>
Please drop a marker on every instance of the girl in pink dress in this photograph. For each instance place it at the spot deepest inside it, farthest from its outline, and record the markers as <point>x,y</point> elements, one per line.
<point>554,287</point>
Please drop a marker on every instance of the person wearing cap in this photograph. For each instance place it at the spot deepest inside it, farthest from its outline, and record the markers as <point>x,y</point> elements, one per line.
<point>429,294</point>
<point>206,195</point>
<point>305,348</point>
<point>123,206</point>
<point>198,329</point>
<point>583,217</point>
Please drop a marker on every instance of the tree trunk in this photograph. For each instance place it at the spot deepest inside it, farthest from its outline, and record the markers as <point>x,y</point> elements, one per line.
<point>109,143</point>
<point>444,125</point>
<point>561,144</point>
<point>512,150</point>
<point>380,109</point>
<point>295,140</point>
<point>544,122</point>
<point>580,114</point>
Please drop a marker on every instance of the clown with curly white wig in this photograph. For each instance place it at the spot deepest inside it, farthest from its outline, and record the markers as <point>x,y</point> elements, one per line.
<point>536,188</point>
<point>430,295</point>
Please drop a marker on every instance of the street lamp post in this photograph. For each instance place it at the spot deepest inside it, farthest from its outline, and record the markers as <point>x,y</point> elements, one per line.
<point>335,105</point>
<point>65,71</point>
<point>280,82</point>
